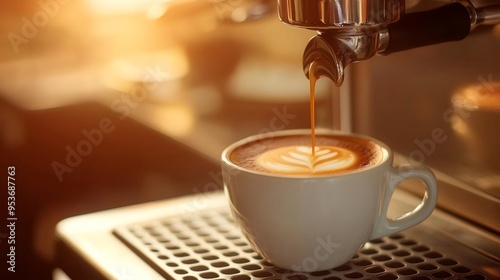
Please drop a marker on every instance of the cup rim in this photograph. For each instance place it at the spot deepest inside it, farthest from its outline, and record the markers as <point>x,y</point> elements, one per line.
<point>387,156</point>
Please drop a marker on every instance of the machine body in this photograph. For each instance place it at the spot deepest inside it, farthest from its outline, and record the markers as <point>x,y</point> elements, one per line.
<point>355,30</point>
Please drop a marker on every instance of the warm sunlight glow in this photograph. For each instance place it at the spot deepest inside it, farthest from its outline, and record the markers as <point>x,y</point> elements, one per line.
<point>158,68</point>
<point>176,120</point>
<point>157,10</point>
<point>496,31</point>
<point>109,7</point>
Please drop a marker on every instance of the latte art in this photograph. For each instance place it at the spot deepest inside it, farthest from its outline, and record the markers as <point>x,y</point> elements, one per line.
<point>292,155</point>
<point>300,160</point>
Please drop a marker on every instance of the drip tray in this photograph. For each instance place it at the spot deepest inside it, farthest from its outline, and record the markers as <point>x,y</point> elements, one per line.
<point>208,245</point>
<point>195,238</point>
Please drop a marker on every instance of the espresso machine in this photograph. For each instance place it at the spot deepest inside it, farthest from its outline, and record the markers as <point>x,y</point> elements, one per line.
<point>352,31</point>
<point>422,76</point>
<point>379,33</point>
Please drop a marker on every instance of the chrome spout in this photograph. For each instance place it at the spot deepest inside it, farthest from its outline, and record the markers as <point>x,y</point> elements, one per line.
<point>347,30</point>
<point>353,30</point>
<point>334,50</point>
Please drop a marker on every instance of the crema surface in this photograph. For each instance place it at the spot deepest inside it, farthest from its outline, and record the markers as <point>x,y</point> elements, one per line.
<point>300,160</point>
<point>292,155</point>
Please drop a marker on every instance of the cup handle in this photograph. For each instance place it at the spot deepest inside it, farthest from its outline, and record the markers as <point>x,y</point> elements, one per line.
<point>397,175</point>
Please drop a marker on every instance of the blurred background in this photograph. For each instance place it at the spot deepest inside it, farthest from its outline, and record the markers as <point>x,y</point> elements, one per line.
<point>112,103</point>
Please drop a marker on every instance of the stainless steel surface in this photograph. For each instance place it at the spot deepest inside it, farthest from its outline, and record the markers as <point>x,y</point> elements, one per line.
<point>352,31</point>
<point>319,15</point>
<point>486,15</point>
<point>194,238</point>
<point>335,51</point>
<point>407,100</point>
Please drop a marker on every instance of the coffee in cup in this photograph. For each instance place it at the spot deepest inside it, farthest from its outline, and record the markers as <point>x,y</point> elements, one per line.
<point>305,214</point>
<point>292,155</point>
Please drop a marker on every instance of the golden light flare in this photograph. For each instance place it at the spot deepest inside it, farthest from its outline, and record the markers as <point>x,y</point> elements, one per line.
<point>152,69</point>
<point>120,7</point>
<point>176,120</point>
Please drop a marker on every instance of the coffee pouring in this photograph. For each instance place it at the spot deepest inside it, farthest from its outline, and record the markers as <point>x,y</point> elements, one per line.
<point>355,30</point>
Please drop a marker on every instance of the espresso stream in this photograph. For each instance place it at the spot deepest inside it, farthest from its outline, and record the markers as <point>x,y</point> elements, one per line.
<point>304,155</point>
<point>312,90</point>
<point>308,159</point>
<point>303,159</point>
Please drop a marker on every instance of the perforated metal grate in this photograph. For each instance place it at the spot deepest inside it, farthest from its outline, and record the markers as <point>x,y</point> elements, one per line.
<point>208,245</point>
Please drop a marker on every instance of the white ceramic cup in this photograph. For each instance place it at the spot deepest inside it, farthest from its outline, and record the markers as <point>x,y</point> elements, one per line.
<point>312,223</point>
